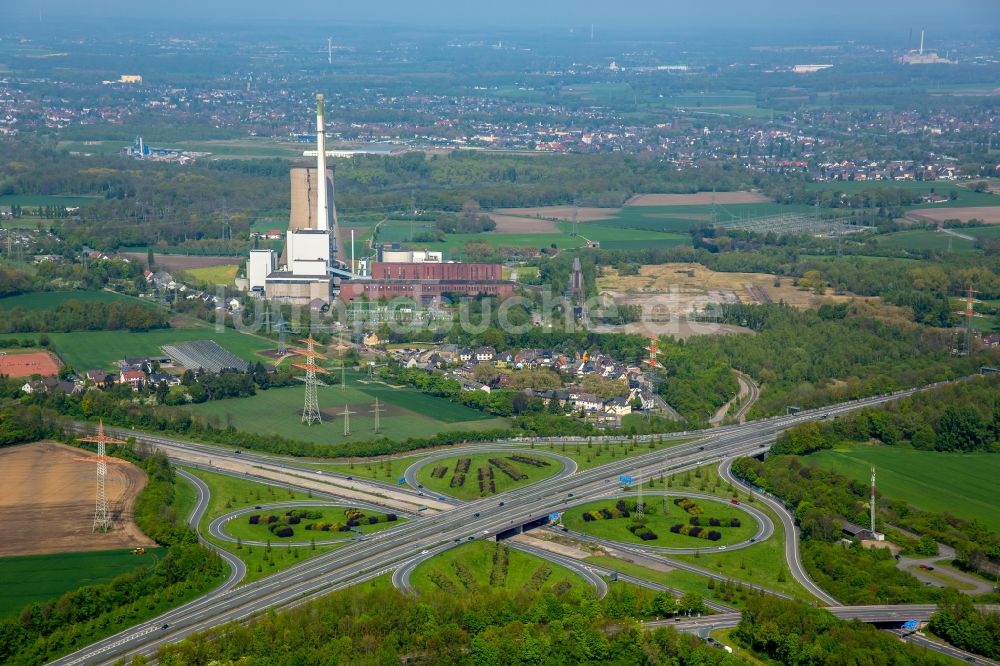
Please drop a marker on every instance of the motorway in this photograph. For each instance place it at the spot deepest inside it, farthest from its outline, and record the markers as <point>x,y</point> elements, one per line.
<point>363,560</point>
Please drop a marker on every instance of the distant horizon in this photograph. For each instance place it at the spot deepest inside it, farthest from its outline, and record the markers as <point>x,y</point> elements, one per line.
<point>644,18</point>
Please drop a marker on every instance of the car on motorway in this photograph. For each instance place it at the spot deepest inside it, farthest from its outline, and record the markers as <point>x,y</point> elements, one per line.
<point>165,626</point>
<point>424,552</point>
<point>722,547</point>
<point>319,471</point>
<point>237,452</point>
<point>569,494</point>
<point>734,501</point>
<point>501,503</point>
<point>257,507</point>
<point>476,514</point>
<point>486,531</point>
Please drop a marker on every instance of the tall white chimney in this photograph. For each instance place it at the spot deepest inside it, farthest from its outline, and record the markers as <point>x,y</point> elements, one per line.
<point>322,206</point>
<point>921,42</point>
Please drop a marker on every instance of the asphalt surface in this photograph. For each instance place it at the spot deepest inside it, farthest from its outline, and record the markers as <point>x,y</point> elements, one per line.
<point>792,555</point>
<point>361,561</point>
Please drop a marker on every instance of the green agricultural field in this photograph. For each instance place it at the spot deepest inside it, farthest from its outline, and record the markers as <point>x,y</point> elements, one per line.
<point>100,349</point>
<point>49,300</point>
<point>660,515</point>
<point>469,488</point>
<point>679,219</point>
<point>224,274</point>
<point>966,196</point>
<point>242,527</point>
<point>925,239</point>
<point>990,233</point>
<point>32,578</point>
<point>963,484</point>
<point>471,566</point>
<point>404,412</point>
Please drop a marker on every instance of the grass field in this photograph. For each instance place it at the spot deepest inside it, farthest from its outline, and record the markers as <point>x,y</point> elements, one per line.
<point>228,493</point>
<point>42,577</point>
<point>662,513</point>
<point>404,412</point>
<point>961,484</point>
<point>469,490</point>
<point>762,564</point>
<point>477,558</point>
<point>966,197</point>
<point>241,527</point>
<point>100,349</point>
<point>679,219</point>
<point>925,239</point>
<point>685,581</point>
<point>48,300</point>
<point>213,275</point>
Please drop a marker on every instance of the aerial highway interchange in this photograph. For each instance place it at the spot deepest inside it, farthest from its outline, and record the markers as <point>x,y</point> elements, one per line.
<point>441,523</point>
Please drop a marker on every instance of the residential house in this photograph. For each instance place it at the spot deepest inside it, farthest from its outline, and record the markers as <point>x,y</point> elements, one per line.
<point>134,378</point>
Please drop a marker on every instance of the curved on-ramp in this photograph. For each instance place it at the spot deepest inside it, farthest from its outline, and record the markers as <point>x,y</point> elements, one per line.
<point>792,554</point>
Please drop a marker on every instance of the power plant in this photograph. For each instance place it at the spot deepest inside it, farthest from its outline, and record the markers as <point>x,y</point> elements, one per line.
<point>313,267</point>
<point>304,273</point>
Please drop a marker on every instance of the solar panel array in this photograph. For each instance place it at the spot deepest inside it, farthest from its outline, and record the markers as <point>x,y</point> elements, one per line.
<point>205,355</point>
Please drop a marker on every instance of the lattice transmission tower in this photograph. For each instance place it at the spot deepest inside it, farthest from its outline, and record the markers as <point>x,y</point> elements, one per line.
<point>310,410</point>
<point>102,513</point>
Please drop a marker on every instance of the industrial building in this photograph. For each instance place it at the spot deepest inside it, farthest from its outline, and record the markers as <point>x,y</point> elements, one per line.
<point>427,282</point>
<point>312,268</point>
<point>303,274</point>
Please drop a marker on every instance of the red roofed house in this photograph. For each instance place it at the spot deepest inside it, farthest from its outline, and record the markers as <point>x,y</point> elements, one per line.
<point>135,378</point>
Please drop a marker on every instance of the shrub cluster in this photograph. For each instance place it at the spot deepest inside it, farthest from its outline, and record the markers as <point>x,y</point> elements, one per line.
<point>465,575</point>
<point>538,578</point>
<point>501,561</point>
<point>696,531</point>
<point>688,505</point>
<point>715,522</point>
<point>439,472</point>
<point>510,470</point>
<point>643,532</point>
<point>530,460</point>
<point>487,484</point>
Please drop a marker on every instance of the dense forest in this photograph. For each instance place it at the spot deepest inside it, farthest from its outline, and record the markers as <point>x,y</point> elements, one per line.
<point>497,627</point>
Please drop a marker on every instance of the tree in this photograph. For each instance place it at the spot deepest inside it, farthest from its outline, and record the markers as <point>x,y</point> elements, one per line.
<point>150,259</point>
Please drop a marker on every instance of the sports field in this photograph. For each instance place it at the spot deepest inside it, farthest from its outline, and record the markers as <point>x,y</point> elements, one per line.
<point>473,566</point>
<point>404,412</point>
<point>100,349</point>
<point>25,364</point>
<point>41,577</point>
<point>48,300</point>
<point>466,485</point>
<point>35,200</point>
<point>961,484</point>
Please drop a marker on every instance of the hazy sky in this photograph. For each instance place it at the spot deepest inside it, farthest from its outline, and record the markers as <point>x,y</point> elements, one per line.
<point>856,15</point>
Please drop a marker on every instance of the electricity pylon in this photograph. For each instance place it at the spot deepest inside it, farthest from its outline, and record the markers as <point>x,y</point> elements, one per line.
<point>310,410</point>
<point>376,411</point>
<point>102,514</point>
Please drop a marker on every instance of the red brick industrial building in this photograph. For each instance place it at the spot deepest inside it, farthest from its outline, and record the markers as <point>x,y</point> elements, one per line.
<point>428,281</point>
